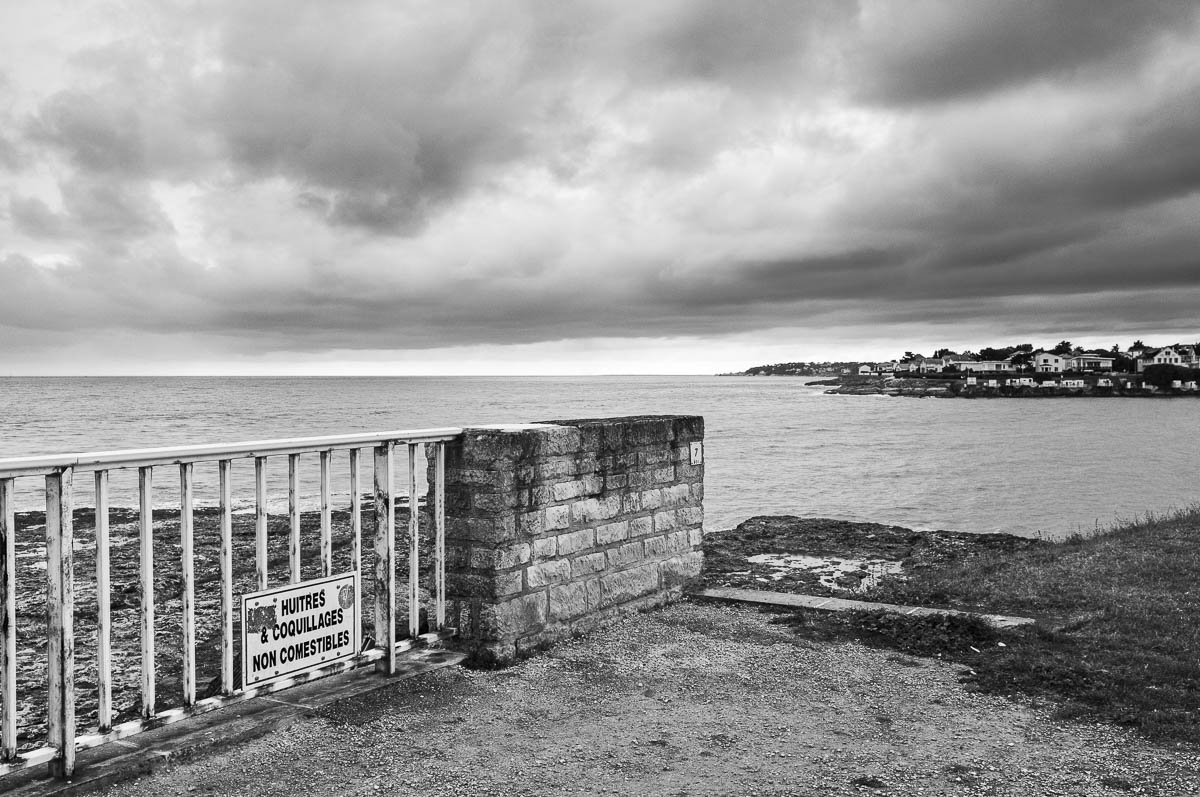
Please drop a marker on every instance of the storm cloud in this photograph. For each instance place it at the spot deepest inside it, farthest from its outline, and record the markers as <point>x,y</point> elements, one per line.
<point>291,177</point>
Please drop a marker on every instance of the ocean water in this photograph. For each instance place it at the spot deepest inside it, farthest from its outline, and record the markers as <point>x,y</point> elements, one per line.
<point>774,445</point>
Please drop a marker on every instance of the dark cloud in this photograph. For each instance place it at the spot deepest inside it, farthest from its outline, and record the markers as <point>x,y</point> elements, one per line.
<point>97,137</point>
<point>34,218</point>
<point>935,51</point>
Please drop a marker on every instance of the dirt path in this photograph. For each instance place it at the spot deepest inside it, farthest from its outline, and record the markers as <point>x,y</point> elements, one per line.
<point>691,700</point>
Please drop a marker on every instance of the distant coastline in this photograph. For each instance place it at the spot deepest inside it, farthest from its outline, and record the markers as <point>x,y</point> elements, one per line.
<point>968,386</point>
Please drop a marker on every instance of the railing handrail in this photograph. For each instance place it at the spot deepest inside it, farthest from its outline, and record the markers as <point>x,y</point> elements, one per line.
<point>42,465</point>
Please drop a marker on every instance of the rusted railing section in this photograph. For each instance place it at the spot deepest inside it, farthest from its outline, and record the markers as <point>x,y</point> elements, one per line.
<point>60,474</point>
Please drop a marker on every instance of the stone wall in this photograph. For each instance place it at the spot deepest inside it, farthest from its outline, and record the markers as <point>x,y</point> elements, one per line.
<point>557,527</point>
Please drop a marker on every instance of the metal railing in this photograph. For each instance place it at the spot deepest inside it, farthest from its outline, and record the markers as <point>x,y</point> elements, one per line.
<point>61,666</point>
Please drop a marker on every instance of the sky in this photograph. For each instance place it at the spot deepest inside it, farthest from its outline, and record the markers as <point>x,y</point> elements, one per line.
<point>679,186</point>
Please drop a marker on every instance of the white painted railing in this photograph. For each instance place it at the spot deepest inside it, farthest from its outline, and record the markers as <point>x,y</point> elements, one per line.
<point>61,472</point>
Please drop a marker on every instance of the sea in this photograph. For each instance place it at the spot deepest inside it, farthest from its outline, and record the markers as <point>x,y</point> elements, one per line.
<point>774,445</point>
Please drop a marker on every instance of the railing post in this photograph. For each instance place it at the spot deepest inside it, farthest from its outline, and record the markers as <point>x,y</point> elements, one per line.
<point>146,559</point>
<point>187,568</point>
<point>439,525</point>
<point>260,522</point>
<point>226,491</point>
<point>8,623</point>
<point>326,518</point>
<point>355,514</point>
<point>294,518</point>
<point>60,614</point>
<point>103,606</point>
<point>414,555</point>
<point>385,560</point>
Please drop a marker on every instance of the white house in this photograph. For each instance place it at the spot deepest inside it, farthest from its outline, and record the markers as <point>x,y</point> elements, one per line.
<point>1021,381</point>
<point>865,370</point>
<point>1048,383</point>
<point>1088,362</point>
<point>1074,383</point>
<point>985,366</point>
<point>1045,362</point>
<point>1104,381</point>
<point>930,366</point>
<point>1167,356</point>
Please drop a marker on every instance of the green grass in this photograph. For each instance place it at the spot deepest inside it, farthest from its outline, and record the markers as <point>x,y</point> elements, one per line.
<point>1118,632</point>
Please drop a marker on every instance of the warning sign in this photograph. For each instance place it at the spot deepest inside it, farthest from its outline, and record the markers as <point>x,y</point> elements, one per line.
<point>289,630</point>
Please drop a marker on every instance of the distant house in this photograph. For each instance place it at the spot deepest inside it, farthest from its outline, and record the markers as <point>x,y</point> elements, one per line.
<point>992,383</point>
<point>865,370</point>
<point>1088,362</point>
<point>986,366</point>
<point>928,365</point>
<point>1104,381</point>
<point>1074,383</point>
<point>971,380</point>
<point>1048,383</point>
<point>1165,356</point>
<point>1021,381</point>
<point>1045,362</point>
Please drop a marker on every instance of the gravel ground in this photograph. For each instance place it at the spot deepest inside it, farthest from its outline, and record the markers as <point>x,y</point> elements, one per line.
<point>695,699</point>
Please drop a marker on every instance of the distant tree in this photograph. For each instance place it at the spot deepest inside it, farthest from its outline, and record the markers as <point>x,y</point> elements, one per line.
<point>1022,359</point>
<point>944,353</point>
<point>1116,349</point>
<point>1063,347</point>
<point>910,356</point>
<point>1024,347</point>
<point>1161,376</point>
<point>1137,344</point>
<point>1123,364</point>
<point>988,353</point>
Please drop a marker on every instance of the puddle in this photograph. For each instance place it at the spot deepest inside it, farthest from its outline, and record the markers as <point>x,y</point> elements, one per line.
<point>829,570</point>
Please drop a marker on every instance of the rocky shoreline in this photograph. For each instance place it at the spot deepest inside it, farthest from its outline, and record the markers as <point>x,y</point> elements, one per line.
<point>835,558</point>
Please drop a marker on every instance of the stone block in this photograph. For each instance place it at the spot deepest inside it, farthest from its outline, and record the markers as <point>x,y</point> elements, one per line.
<point>696,537</point>
<point>593,484</point>
<point>678,541</point>
<point>588,564</point>
<point>553,572</point>
<point>574,541</point>
<point>545,547</point>
<point>570,600</point>
<point>652,498</point>
<point>556,468</point>
<point>481,480</point>
<point>625,585</point>
<point>690,515</point>
<point>496,503</point>
<point>656,457</point>
<point>663,475</point>
<point>555,441</point>
<point>676,495</point>
<point>665,520</point>
<point>502,557</point>
<point>484,585</point>
<point>681,570</point>
<point>625,554</point>
<point>509,619</point>
<point>657,547</point>
<point>531,524</point>
<point>612,532</point>
<point>558,517</point>
<point>616,481</point>
<point>566,491</point>
<point>641,526</point>
<point>488,530</point>
<point>591,510</point>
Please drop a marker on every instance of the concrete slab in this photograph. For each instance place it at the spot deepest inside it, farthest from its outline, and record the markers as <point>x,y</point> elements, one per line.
<point>787,600</point>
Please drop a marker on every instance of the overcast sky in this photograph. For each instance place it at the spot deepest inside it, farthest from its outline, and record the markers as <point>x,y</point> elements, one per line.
<point>575,187</point>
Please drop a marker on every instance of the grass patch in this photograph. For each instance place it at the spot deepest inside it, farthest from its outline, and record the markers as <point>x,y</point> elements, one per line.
<point>1117,638</point>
